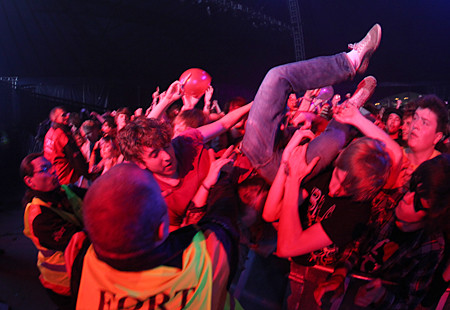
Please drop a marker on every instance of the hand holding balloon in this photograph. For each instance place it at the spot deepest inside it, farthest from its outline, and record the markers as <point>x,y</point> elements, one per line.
<point>196,81</point>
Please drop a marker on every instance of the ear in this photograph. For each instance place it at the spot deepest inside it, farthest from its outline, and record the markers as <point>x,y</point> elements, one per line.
<point>28,181</point>
<point>163,230</point>
<point>140,164</point>
<point>437,137</point>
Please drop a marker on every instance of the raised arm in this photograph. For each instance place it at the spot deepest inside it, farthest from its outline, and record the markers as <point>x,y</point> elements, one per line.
<point>100,118</point>
<point>272,207</point>
<point>200,198</point>
<point>173,93</point>
<point>349,114</point>
<point>292,239</point>
<point>220,126</point>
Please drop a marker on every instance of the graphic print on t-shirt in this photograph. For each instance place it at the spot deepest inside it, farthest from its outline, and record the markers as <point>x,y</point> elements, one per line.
<point>378,255</point>
<point>327,255</point>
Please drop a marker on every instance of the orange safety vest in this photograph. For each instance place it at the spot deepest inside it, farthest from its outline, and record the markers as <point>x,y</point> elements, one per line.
<point>105,288</point>
<point>51,263</point>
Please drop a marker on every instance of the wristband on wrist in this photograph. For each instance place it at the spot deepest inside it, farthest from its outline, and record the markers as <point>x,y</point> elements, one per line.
<point>205,187</point>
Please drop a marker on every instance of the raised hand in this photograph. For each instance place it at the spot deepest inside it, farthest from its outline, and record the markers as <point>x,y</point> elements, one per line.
<point>155,95</point>
<point>336,284</point>
<point>297,137</point>
<point>174,92</point>
<point>138,112</point>
<point>294,156</point>
<point>298,169</point>
<point>216,166</point>
<point>208,95</point>
<point>370,293</point>
<point>346,113</point>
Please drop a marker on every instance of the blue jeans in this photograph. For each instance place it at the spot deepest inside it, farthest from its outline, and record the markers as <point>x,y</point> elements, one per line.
<point>268,110</point>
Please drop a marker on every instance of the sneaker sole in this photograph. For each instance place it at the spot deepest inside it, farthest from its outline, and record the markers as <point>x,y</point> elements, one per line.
<point>365,61</point>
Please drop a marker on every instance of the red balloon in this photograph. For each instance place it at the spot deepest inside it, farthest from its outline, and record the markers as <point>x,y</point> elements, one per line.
<point>196,81</point>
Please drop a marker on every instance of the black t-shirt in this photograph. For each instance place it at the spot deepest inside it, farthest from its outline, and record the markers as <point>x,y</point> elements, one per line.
<point>377,255</point>
<point>342,219</point>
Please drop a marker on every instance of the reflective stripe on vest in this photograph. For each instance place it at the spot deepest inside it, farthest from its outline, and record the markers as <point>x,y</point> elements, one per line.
<point>50,263</point>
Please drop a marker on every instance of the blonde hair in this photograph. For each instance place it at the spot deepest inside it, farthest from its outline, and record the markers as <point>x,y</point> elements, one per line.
<point>367,164</point>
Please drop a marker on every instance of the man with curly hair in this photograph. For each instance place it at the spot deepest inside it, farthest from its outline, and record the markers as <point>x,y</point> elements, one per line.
<point>182,166</point>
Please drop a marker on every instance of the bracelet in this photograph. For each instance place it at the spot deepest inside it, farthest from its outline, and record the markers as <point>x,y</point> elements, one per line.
<point>204,186</point>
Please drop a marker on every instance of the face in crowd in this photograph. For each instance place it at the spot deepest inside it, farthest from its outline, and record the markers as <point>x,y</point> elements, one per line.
<point>121,120</point>
<point>108,149</point>
<point>44,178</point>
<point>61,117</point>
<point>423,134</point>
<point>393,123</point>
<point>406,127</point>
<point>292,102</point>
<point>160,161</point>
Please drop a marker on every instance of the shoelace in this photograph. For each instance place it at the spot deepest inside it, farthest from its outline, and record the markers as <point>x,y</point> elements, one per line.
<point>360,45</point>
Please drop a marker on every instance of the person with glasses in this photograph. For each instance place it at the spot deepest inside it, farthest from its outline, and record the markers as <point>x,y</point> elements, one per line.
<point>52,216</point>
<point>404,252</point>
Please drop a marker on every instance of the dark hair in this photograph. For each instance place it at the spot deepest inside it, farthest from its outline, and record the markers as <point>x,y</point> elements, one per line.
<point>192,118</point>
<point>253,193</point>
<point>74,119</point>
<point>431,182</point>
<point>409,109</point>
<point>26,167</point>
<point>112,141</point>
<point>437,106</point>
<point>390,111</point>
<point>90,125</point>
<point>143,132</point>
<point>125,111</point>
<point>236,103</point>
<point>173,110</point>
<point>109,120</point>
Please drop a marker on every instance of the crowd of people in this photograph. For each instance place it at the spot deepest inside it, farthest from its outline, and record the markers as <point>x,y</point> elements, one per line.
<point>153,209</point>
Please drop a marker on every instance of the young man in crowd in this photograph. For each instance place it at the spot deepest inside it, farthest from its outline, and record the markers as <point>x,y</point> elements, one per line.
<point>408,113</point>
<point>318,218</point>
<point>394,124</point>
<point>428,127</point>
<point>62,151</point>
<point>181,166</point>
<point>407,249</point>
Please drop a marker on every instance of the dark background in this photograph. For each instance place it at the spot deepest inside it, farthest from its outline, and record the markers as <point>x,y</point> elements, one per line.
<point>104,54</point>
<point>150,43</point>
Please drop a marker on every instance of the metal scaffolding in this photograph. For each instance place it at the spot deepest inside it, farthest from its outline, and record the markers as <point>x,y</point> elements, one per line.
<point>297,30</point>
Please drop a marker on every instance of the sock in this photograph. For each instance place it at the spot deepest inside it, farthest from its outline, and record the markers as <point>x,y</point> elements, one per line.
<point>354,58</point>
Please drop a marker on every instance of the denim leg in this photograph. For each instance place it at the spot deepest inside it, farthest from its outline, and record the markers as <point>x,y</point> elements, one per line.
<point>269,107</point>
<point>327,146</point>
